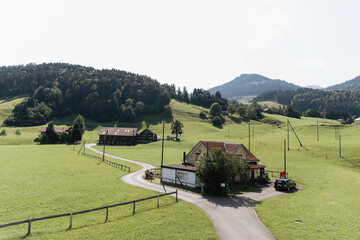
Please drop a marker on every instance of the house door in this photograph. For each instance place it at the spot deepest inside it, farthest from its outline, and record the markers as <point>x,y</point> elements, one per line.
<point>252,176</point>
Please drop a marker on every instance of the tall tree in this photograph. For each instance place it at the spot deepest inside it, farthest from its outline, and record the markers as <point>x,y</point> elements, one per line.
<point>215,110</point>
<point>17,133</point>
<point>81,121</point>
<point>3,133</point>
<point>50,132</point>
<point>177,128</point>
<point>215,168</point>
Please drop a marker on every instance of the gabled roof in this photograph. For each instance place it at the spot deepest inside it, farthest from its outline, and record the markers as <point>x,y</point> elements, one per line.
<point>115,131</point>
<point>230,148</point>
<point>145,131</point>
<point>57,129</point>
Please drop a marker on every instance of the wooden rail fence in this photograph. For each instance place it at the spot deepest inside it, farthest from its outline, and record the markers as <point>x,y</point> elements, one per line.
<point>71,214</point>
<point>113,164</point>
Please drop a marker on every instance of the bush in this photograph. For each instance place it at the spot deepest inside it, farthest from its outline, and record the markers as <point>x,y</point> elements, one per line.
<point>203,115</point>
<point>44,139</point>
<point>216,120</point>
<point>168,111</point>
<point>263,179</point>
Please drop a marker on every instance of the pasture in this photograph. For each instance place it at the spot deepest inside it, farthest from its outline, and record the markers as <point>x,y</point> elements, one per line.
<point>327,208</point>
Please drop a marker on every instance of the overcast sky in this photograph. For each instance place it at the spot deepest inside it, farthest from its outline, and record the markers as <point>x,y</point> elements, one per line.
<point>197,44</point>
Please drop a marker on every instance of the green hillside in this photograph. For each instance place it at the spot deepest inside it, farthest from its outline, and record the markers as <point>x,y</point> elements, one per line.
<point>326,209</point>
<point>348,85</point>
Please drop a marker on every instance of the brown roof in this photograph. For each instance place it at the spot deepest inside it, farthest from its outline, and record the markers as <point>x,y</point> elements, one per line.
<point>230,148</point>
<point>256,166</point>
<point>57,129</point>
<point>145,130</point>
<point>189,168</point>
<point>115,131</point>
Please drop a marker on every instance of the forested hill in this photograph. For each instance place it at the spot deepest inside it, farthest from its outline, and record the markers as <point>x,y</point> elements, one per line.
<point>58,89</point>
<point>320,100</point>
<point>251,85</point>
<point>348,85</point>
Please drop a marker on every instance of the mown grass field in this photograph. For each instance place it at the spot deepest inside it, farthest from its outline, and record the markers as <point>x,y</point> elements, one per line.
<point>45,180</point>
<point>327,208</point>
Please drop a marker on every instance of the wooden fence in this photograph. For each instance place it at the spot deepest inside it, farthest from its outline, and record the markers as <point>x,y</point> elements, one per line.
<point>71,214</point>
<point>113,164</point>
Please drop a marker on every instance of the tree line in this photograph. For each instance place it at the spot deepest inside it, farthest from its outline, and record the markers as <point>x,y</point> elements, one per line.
<point>331,104</point>
<point>59,89</point>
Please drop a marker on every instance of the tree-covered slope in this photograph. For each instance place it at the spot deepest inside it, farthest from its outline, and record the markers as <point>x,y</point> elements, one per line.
<point>320,100</point>
<point>58,89</point>
<point>348,85</point>
<point>251,85</point>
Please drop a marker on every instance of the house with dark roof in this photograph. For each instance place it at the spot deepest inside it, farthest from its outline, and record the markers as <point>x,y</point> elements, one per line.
<point>117,136</point>
<point>57,130</point>
<point>185,172</point>
<point>125,136</point>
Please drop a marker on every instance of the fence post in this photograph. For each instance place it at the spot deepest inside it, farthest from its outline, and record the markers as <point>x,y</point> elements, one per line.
<point>157,200</point>
<point>176,195</point>
<point>134,208</point>
<point>70,224</point>
<point>29,228</point>
<point>107,214</point>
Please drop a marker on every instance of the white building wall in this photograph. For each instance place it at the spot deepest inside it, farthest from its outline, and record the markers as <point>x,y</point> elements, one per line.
<point>169,176</point>
<point>168,173</point>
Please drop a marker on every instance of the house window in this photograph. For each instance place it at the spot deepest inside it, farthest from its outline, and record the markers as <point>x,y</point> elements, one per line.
<point>197,156</point>
<point>240,157</point>
<point>183,176</point>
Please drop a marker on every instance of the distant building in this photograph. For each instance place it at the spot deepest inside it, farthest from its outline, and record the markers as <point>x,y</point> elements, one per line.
<point>57,130</point>
<point>357,121</point>
<point>270,111</point>
<point>125,136</point>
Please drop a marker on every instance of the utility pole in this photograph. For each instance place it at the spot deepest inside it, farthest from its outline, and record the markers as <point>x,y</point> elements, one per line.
<point>317,129</point>
<point>339,145</point>
<point>162,147</point>
<point>287,129</point>
<point>107,130</point>
<point>249,135</point>
<point>253,133</point>
<point>285,155</point>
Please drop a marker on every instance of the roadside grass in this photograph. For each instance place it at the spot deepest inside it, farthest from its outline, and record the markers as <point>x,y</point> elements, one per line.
<point>52,179</point>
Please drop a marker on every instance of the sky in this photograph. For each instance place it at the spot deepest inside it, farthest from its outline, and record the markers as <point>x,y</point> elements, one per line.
<point>197,44</point>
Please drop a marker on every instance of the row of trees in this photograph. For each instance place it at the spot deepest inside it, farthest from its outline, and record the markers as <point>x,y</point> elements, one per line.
<point>74,134</point>
<point>3,133</point>
<point>58,89</point>
<point>199,97</point>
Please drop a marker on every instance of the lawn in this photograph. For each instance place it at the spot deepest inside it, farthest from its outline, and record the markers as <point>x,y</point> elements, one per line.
<point>52,179</point>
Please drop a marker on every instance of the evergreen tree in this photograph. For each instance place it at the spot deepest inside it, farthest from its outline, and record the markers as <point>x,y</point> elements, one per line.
<point>3,133</point>
<point>17,133</point>
<point>50,132</point>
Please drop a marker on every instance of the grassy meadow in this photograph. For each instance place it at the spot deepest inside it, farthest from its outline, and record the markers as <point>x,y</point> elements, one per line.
<point>327,208</point>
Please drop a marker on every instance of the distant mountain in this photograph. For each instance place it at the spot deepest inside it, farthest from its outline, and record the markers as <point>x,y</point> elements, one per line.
<point>251,85</point>
<point>348,85</point>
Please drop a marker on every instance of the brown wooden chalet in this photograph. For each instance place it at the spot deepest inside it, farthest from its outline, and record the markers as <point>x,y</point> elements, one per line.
<point>125,136</point>
<point>117,136</point>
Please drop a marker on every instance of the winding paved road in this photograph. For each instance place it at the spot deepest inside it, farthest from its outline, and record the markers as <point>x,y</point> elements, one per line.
<point>233,217</point>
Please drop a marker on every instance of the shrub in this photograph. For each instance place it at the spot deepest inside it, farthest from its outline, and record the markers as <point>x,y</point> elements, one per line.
<point>216,120</point>
<point>149,175</point>
<point>264,178</point>
<point>203,115</point>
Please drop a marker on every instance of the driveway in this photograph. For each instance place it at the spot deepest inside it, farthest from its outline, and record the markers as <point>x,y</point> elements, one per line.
<point>233,217</point>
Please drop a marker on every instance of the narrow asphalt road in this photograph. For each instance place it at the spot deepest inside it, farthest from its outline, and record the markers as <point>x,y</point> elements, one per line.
<point>233,217</point>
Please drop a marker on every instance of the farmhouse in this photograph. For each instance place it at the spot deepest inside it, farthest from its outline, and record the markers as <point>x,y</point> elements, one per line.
<point>185,173</point>
<point>57,130</point>
<point>125,136</point>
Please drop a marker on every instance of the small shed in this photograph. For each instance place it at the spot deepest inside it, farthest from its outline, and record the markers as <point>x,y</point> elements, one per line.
<point>181,174</point>
<point>357,121</point>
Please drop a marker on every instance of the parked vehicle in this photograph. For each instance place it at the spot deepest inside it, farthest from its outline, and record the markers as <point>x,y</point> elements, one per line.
<point>284,184</point>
